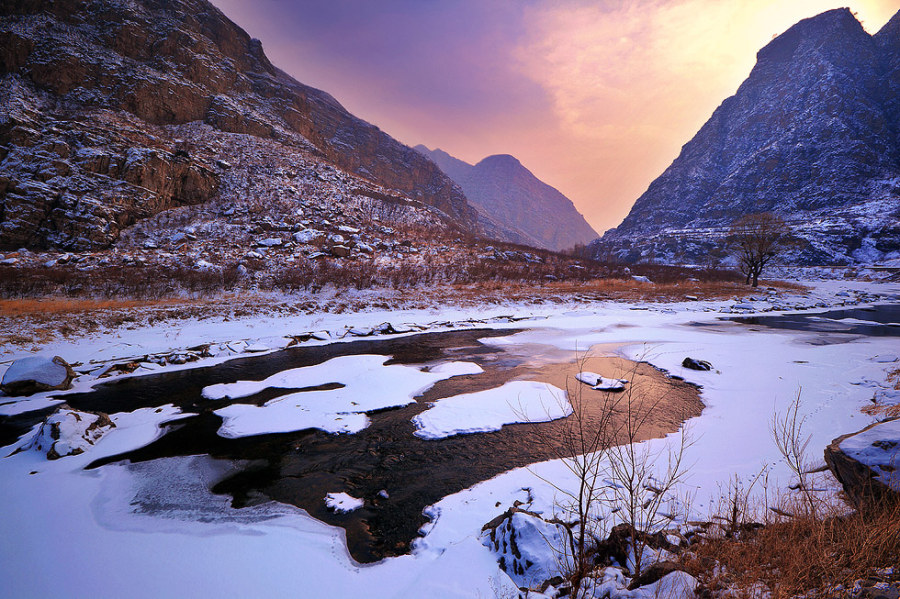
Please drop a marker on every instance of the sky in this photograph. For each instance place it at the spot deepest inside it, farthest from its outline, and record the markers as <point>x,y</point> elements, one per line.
<point>595,97</point>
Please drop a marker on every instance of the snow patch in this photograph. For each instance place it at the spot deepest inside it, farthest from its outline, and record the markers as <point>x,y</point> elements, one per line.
<point>485,411</point>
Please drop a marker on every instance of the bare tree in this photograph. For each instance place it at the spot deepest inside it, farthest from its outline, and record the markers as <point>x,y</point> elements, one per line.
<point>757,238</point>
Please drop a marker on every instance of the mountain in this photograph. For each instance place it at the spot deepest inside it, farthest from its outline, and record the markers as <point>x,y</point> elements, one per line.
<point>112,112</point>
<point>812,135</point>
<point>515,205</point>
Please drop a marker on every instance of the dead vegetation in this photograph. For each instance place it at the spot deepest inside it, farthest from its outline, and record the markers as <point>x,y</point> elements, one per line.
<point>809,556</point>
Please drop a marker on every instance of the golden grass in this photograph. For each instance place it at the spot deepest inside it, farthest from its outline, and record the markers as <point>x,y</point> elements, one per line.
<point>797,555</point>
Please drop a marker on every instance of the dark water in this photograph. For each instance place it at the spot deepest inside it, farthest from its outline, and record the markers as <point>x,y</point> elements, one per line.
<point>885,315</point>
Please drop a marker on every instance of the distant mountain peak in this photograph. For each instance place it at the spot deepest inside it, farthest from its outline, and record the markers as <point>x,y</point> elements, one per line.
<point>515,205</point>
<point>500,161</point>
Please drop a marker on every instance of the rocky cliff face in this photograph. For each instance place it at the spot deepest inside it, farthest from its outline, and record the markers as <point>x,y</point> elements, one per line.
<point>515,205</point>
<point>91,97</point>
<point>812,135</point>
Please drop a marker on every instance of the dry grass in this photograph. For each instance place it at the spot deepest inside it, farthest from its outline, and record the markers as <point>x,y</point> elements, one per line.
<point>886,411</point>
<point>792,556</point>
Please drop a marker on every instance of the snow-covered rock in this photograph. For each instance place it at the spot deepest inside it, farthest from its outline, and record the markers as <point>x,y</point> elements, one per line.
<point>867,462</point>
<point>601,383</point>
<point>342,502</point>
<point>37,373</point>
<point>528,548</point>
<point>69,432</point>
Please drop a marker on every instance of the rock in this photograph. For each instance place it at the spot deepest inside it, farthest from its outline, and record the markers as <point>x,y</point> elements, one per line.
<point>342,502</point>
<point>640,279</point>
<point>654,572</point>
<point>34,374</point>
<point>601,383</point>
<point>308,236</point>
<point>525,545</point>
<point>270,242</point>
<point>69,432</point>
<point>340,251</point>
<point>694,364</point>
<point>867,462</point>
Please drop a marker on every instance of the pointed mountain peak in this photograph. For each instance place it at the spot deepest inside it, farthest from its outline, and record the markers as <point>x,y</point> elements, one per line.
<point>832,26</point>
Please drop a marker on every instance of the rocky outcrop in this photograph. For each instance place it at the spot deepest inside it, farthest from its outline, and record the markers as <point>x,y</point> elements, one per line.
<point>142,69</point>
<point>867,462</point>
<point>515,205</point>
<point>811,135</point>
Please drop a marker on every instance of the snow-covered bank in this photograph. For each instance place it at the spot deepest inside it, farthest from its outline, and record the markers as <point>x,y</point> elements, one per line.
<point>126,534</point>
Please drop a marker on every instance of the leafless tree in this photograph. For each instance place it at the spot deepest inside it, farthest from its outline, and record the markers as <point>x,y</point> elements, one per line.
<point>757,238</point>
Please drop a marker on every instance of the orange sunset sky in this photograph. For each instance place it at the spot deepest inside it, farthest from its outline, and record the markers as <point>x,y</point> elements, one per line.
<point>595,98</point>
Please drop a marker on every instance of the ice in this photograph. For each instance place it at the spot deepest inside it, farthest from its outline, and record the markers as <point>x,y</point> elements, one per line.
<point>484,411</point>
<point>341,502</point>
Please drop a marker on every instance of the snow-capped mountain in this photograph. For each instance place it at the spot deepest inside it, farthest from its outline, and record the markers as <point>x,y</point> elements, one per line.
<point>813,135</point>
<point>515,205</point>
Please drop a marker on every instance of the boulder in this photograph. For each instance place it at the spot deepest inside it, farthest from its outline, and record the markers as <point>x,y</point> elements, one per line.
<point>529,548</point>
<point>70,432</point>
<point>35,374</point>
<point>601,383</point>
<point>340,251</point>
<point>867,462</point>
<point>695,364</point>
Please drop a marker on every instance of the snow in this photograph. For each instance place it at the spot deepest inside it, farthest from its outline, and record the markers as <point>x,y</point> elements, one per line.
<point>490,410</point>
<point>368,385</point>
<point>532,548</point>
<point>879,449</point>
<point>195,543</point>
<point>601,383</point>
<point>40,369</point>
<point>341,502</point>
<point>456,368</point>
<point>68,432</point>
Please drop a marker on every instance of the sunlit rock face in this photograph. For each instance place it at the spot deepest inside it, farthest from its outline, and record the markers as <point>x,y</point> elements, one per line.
<point>95,97</point>
<point>514,205</point>
<point>813,135</point>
